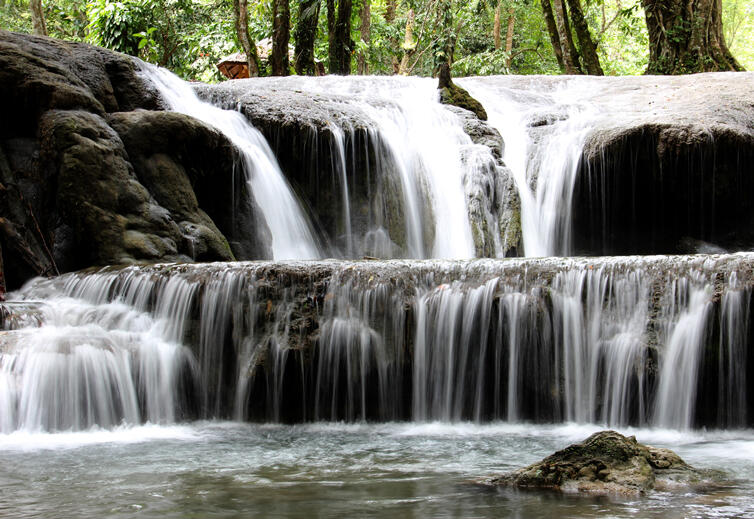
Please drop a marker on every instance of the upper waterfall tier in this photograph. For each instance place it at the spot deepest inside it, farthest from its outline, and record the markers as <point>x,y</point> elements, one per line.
<point>661,341</point>
<point>100,168</point>
<point>601,165</point>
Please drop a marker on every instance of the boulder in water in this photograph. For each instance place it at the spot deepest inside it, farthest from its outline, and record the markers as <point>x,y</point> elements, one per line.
<point>607,463</point>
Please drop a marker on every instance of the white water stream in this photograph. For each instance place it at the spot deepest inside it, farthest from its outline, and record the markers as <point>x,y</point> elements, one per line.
<point>544,128</point>
<point>292,236</point>
<point>424,142</point>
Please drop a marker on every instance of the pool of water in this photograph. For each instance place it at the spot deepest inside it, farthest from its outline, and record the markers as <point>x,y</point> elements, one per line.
<point>223,469</point>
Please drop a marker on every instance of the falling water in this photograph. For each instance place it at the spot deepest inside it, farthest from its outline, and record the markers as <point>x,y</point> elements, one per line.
<point>544,128</point>
<point>92,365</point>
<point>606,340</point>
<point>292,236</point>
<point>426,168</point>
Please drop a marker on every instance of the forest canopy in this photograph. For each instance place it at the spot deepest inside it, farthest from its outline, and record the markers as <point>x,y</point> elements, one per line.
<point>477,37</point>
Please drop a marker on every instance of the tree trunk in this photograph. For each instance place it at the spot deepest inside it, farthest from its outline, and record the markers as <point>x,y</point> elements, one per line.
<point>409,45</point>
<point>366,14</point>
<point>331,14</point>
<point>38,18</point>
<point>2,268</point>
<point>496,28</point>
<point>509,37</point>
<point>342,44</point>
<point>570,54</point>
<point>390,7</point>
<point>306,35</point>
<point>588,48</point>
<point>241,14</point>
<point>686,36</point>
<point>281,36</point>
<point>552,28</point>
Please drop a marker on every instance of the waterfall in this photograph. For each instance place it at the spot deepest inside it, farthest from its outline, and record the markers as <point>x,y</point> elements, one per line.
<point>292,236</point>
<point>656,341</point>
<point>411,182</point>
<point>544,128</point>
<point>93,365</point>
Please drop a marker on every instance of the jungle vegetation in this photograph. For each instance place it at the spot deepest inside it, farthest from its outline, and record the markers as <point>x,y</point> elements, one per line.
<point>413,37</point>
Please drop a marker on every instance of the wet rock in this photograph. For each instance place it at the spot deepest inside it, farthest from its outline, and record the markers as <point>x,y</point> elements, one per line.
<point>608,463</point>
<point>190,170</point>
<point>92,172</point>
<point>452,94</point>
<point>670,167</point>
<point>39,74</point>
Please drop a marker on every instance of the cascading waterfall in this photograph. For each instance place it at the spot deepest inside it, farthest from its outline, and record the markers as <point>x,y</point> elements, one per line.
<point>94,364</point>
<point>617,341</point>
<point>658,341</point>
<point>676,396</point>
<point>429,165</point>
<point>292,236</point>
<point>544,129</point>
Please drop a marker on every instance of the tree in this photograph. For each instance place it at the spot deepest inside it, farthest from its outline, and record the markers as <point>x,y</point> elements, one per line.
<point>552,29</point>
<point>281,35</point>
<point>686,37</point>
<point>38,18</point>
<point>306,35</point>
<point>366,16</point>
<point>509,37</point>
<point>341,43</point>
<point>588,48</point>
<point>331,15</point>
<point>570,54</point>
<point>241,14</point>
<point>390,7</point>
<point>409,45</point>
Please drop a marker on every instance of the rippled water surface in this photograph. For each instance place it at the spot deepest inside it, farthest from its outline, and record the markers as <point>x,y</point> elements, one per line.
<point>334,470</point>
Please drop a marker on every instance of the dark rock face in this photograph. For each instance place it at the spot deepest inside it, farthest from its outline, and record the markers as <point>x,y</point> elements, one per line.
<point>666,188</point>
<point>669,172</point>
<point>92,175</point>
<point>313,136</point>
<point>607,463</point>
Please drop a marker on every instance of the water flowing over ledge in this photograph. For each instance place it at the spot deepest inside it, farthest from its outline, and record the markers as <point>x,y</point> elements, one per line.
<point>658,341</point>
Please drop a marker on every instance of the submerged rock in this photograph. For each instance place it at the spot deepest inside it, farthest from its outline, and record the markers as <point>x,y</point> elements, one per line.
<point>608,463</point>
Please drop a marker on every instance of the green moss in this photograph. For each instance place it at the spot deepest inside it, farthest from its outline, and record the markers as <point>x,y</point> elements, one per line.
<point>457,96</point>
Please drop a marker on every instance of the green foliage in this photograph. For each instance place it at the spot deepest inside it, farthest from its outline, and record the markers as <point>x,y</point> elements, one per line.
<point>186,36</point>
<point>738,28</point>
<point>191,36</point>
<point>621,35</point>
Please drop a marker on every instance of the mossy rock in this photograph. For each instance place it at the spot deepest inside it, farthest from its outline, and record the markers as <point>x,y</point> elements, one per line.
<point>609,463</point>
<point>457,96</point>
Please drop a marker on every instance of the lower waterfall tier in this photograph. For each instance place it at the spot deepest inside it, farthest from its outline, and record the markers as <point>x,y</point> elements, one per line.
<point>653,341</point>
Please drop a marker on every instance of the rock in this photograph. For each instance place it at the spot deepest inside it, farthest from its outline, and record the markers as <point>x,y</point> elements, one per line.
<point>681,147</point>
<point>452,94</point>
<point>93,172</point>
<point>608,463</point>
<point>191,171</point>
<point>113,217</point>
<point>39,74</point>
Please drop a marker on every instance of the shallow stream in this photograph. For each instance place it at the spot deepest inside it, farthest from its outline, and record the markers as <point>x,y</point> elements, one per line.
<point>226,469</point>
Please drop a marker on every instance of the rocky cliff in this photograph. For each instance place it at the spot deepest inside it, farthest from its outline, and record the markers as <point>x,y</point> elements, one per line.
<point>93,173</point>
